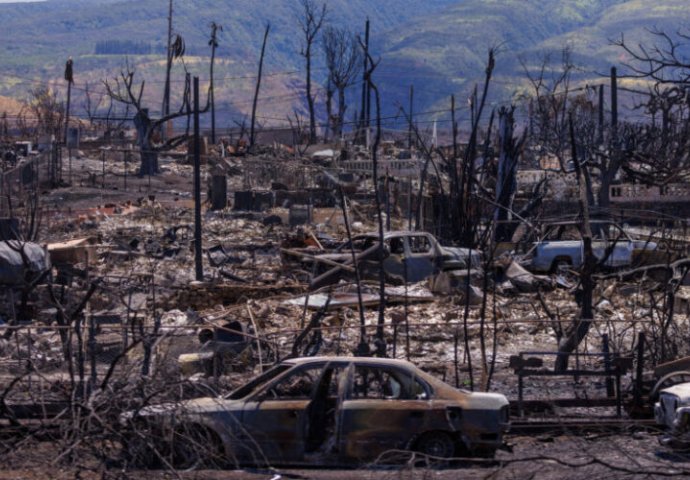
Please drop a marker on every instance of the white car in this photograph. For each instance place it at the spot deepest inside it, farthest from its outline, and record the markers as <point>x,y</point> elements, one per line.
<point>672,410</point>
<point>562,247</point>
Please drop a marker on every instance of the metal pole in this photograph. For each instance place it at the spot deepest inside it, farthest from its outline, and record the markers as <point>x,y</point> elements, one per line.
<point>409,127</point>
<point>197,187</point>
<point>614,99</point>
<point>607,365</point>
<point>601,114</point>
<point>640,369</point>
<point>69,76</point>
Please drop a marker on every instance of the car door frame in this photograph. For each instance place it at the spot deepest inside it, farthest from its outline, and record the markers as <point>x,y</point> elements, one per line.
<point>358,418</point>
<point>287,444</point>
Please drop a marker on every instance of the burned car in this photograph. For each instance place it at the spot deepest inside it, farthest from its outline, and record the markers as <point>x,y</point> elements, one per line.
<point>562,247</point>
<point>672,410</point>
<point>323,411</point>
<point>408,257</point>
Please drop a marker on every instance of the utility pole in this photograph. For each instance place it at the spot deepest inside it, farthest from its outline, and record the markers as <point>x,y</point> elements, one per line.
<point>601,114</point>
<point>69,76</point>
<point>614,99</point>
<point>168,67</point>
<point>252,137</point>
<point>365,84</point>
<point>214,45</point>
<point>368,85</point>
<point>409,132</point>
<point>199,267</point>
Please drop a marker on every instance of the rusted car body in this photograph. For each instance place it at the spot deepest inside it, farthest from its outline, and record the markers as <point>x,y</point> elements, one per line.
<point>325,411</point>
<point>408,257</point>
<point>562,247</point>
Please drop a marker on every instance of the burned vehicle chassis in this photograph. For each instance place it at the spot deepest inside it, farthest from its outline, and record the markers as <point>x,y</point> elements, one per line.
<point>321,411</point>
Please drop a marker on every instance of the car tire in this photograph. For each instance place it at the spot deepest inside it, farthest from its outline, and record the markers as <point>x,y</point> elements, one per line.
<point>436,444</point>
<point>561,265</point>
<point>138,454</point>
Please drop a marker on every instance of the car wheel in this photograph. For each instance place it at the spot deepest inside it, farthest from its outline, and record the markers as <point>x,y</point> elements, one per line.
<point>436,444</point>
<point>561,266</point>
<point>138,453</point>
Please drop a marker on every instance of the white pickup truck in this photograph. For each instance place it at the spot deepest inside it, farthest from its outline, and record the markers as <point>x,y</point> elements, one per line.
<point>562,247</point>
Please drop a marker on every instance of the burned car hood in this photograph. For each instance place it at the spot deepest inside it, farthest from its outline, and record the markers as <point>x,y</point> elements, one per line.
<point>456,257</point>
<point>485,401</point>
<point>197,405</point>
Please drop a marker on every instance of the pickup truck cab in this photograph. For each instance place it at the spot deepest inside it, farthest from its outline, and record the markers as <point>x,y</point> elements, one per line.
<point>408,256</point>
<point>562,247</point>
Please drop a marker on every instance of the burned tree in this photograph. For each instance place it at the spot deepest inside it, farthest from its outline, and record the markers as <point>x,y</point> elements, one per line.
<point>548,103</point>
<point>343,57</point>
<point>107,121</point>
<point>47,110</point>
<point>506,181</point>
<point>464,220</point>
<point>581,326</point>
<point>310,22</point>
<point>124,91</point>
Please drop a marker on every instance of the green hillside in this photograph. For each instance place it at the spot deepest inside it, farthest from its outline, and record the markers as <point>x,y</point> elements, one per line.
<point>439,45</point>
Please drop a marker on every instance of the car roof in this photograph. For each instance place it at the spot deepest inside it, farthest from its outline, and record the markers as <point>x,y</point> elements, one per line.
<point>393,233</point>
<point>370,360</point>
<point>578,222</point>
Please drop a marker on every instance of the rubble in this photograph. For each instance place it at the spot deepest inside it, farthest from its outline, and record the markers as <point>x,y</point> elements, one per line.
<point>279,277</point>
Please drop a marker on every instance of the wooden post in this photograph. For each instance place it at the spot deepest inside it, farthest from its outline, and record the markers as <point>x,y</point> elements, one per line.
<point>614,99</point>
<point>607,364</point>
<point>365,87</point>
<point>69,76</point>
<point>409,134</point>
<point>199,268</point>
<point>252,136</point>
<point>214,45</point>
<point>640,369</point>
<point>168,67</point>
<point>369,79</point>
<point>601,114</point>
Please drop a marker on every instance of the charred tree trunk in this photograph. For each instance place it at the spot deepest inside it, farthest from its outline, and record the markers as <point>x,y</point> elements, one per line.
<point>342,108</point>
<point>580,327</point>
<point>506,182</point>
<point>329,110</point>
<point>149,156</point>
<point>466,226</point>
<point>310,100</point>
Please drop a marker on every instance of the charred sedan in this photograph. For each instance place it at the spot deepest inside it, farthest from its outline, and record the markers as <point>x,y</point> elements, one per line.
<point>322,411</point>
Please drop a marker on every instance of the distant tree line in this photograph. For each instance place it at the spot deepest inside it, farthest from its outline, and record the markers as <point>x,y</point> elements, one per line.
<point>123,47</point>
